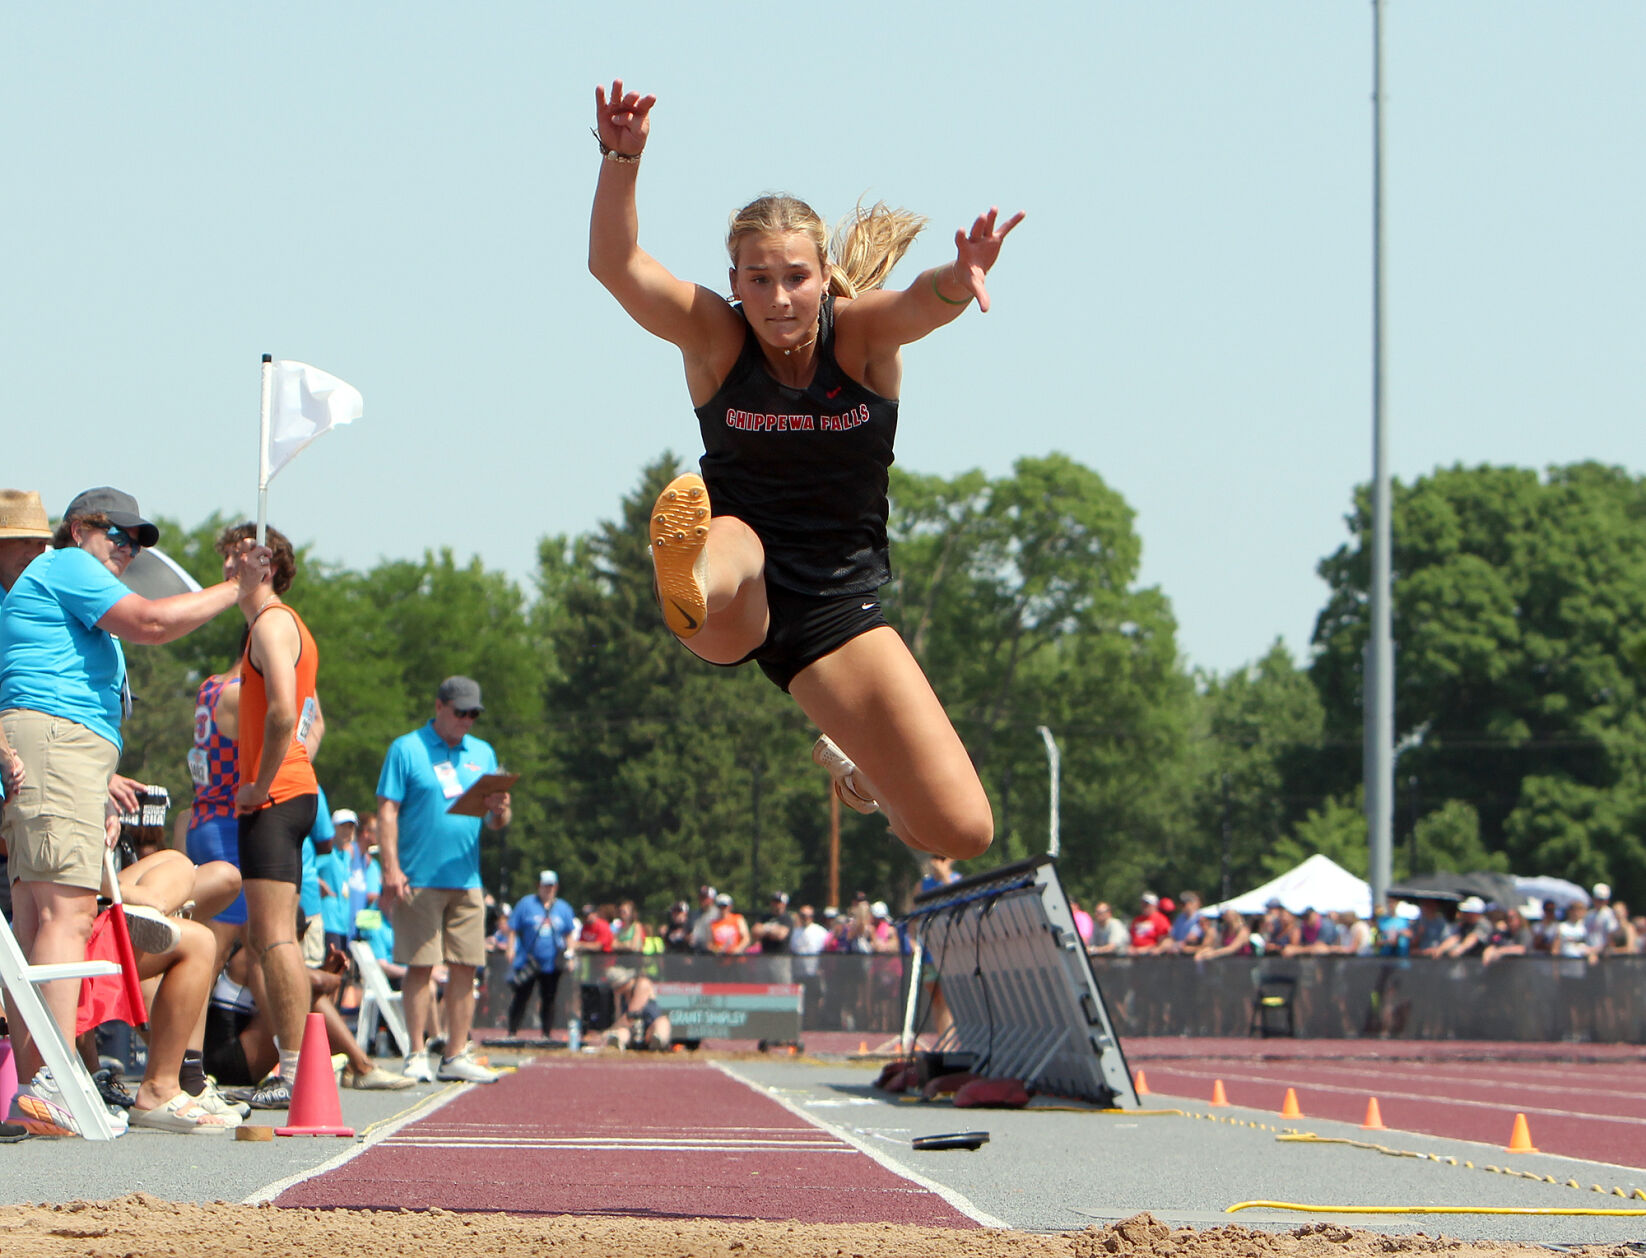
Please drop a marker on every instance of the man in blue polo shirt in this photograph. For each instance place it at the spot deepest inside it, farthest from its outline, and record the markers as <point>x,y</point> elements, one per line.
<point>431,871</point>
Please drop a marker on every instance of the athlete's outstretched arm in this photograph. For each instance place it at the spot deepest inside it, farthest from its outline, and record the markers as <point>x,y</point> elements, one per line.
<point>681,313</point>
<point>887,319</point>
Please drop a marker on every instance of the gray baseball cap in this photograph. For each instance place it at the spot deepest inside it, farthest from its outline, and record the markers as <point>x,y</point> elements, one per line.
<point>120,507</point>
<point>462,693</point>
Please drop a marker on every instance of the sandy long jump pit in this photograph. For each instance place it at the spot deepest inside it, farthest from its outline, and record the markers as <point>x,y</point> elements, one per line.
<point>142,1225</point>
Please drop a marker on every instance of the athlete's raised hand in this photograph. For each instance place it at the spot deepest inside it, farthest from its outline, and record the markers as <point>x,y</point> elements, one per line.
<point>976,251</point>
<point>623,119</point>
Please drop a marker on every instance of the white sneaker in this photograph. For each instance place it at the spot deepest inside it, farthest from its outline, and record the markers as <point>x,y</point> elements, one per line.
<point>151,930</point>
<point>464,1069</point>
<point>39,1105</point>
<point>417,1068</point>
<point>844,773</point>
<point>376,1080</point>
<point>214,1102</point>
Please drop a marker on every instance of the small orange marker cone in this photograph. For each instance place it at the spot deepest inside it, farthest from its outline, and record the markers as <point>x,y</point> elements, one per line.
<point>1288,1107</point>
<point>1374,1116</point>
<point>1521,1139</point>
<point>1141,1084</point>
<point>862,1048</point>
<point>1219,1097</point>
<point>316,1109</point>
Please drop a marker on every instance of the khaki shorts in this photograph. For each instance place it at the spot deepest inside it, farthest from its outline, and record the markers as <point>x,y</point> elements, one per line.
<point>441,925</point>
<point>314,943</point>
<point>54,827</point>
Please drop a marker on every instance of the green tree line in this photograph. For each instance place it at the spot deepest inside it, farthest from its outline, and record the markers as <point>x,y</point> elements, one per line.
<point>1520,645</point>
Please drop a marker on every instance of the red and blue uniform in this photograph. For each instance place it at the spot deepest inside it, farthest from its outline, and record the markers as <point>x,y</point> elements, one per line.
<point>212,762</point>
<point>214,832</point>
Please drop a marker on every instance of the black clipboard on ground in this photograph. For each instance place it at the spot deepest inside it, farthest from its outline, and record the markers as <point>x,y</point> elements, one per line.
<point>472,802</point>
<point>952,1140</point>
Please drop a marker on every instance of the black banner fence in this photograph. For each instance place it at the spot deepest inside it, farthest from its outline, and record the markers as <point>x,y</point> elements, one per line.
<point>1515,999</point>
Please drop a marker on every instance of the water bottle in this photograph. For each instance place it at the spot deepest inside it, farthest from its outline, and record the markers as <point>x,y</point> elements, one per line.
<point>574,1034</point>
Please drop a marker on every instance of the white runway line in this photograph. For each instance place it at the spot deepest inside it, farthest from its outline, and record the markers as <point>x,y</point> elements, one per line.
<point>697,1146</point>
<point>374,1137</point>
<point>953,1198</point>
<point>678,1141</point>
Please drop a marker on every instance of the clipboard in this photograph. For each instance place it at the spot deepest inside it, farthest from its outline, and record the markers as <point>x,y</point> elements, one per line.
<point>952,1140</point>
<point>472,802</point>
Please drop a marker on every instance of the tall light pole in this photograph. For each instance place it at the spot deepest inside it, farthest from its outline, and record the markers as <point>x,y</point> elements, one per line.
<point>1054,840</point>
<point>834,846</point>
<point>1378,693</point>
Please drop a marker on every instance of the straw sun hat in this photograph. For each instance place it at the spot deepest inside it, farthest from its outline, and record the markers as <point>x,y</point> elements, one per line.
<point>22,515</point>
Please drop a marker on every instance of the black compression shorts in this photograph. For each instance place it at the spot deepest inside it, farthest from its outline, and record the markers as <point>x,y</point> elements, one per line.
<point>224,1057</point>
<point>806,627</point>
<point>271,840</point>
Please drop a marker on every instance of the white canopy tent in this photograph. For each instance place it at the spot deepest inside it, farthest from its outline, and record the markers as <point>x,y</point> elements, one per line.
<point>1318,883</point>
<point>1544,887</point>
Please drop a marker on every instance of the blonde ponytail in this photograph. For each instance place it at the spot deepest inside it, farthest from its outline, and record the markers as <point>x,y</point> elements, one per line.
<point>868,244</point>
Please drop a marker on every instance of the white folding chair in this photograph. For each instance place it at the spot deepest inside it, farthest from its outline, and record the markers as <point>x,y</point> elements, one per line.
<point>21,979</point>
<point>377,1000</point>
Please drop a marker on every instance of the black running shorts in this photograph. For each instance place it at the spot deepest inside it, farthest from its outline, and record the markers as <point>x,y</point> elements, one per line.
<point>806,627</point>
<point>224,1058</point>
<point>271,840</point>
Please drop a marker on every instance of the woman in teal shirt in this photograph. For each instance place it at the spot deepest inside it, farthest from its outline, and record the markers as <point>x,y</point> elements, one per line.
<point>63,693</point>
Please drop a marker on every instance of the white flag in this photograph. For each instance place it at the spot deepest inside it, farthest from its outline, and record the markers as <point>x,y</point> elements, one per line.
<point>303,403</point>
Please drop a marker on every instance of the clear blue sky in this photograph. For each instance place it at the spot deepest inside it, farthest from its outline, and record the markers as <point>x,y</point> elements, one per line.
<point>399,194</point>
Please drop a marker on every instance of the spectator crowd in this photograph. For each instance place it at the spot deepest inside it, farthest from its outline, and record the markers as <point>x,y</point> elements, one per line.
<point>1587,926</point>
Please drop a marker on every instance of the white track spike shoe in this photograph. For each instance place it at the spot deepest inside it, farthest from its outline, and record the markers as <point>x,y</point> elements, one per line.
<point>844,773</point>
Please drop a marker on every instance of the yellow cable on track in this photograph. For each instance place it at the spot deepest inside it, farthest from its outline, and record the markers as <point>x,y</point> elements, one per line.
<point>1299,1205</point>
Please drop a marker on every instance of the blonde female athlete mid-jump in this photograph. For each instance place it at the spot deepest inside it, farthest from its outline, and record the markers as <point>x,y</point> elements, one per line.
<point>795,389</point>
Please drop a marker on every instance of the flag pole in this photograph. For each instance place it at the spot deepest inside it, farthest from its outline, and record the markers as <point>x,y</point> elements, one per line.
<point>263,452</point>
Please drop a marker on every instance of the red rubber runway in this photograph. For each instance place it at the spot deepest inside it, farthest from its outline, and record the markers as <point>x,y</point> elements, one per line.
<point>665,1140</point>
<point>1582,1104</point>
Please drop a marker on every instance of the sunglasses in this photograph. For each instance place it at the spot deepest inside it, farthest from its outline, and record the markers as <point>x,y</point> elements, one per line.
<point>123,539</point>
<point>467,714</point>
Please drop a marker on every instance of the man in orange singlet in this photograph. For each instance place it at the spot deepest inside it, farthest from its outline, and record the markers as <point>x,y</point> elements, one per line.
<point>278,795</point>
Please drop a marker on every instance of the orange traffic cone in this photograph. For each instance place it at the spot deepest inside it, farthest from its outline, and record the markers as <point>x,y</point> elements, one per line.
<point>1520,1141</point>
<point>316,1109</point>
<point>1141,1084</point>
<point>1374,1116</point>
<point>1288,1107</point>
<point>1219,1097</point>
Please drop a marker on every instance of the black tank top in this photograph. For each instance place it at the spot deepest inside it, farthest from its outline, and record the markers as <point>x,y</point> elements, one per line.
<point>806,469</point>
